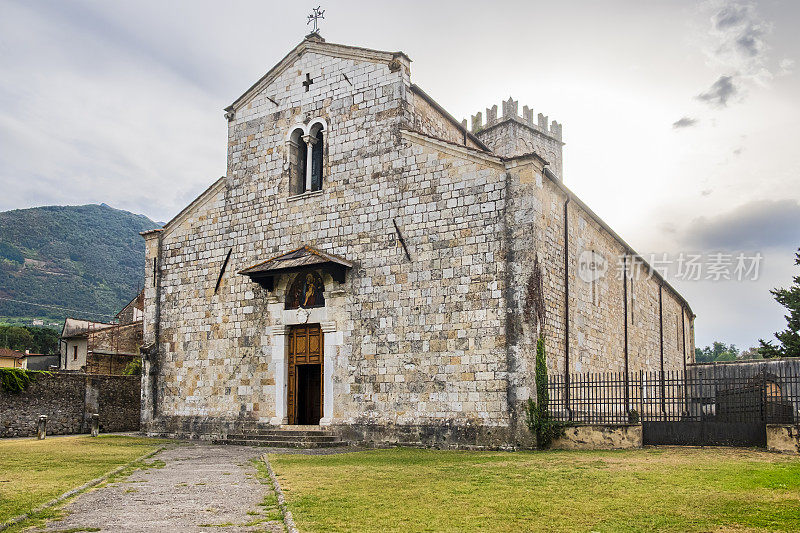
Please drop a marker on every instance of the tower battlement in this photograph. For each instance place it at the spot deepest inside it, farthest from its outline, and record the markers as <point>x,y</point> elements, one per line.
<point>511,112</point>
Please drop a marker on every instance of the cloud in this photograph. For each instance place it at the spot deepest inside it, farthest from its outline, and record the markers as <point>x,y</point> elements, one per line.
<point>107,123</point>
<point>729,16</point>
<point>750,42</point>
<point>737,43</point>
<point>737,40</point>
<point>752,226</point>
<point>720,92</point>
<point>684,122</point>
<point>786,66</point>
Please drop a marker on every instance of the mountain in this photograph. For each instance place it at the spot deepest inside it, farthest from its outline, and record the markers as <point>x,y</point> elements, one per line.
<point>84,261</point>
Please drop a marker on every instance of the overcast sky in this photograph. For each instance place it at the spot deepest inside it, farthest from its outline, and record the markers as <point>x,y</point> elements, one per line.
<point>680,117</point>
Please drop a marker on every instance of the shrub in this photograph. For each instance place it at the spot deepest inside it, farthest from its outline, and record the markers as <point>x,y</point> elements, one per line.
<point>134,368</point>
<point>16,380</point>
<point>537,415</point>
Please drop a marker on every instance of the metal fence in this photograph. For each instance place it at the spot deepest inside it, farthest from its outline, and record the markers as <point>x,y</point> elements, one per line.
<point>693,395</point>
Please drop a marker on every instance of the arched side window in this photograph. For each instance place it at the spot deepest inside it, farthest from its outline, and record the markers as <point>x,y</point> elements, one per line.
<point>298,154</point>
<point>306,291</point>
<point>317,147</point>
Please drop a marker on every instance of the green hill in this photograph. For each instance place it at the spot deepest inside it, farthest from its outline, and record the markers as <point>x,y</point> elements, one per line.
<point>85,261</point>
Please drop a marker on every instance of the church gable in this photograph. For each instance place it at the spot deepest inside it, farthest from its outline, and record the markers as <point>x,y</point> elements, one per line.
<point>313,69</point>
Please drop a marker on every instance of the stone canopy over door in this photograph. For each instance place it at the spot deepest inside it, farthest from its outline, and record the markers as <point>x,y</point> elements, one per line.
<point>306,304</point>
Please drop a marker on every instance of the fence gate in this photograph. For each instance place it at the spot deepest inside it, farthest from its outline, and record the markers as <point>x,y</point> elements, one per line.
<point>693,408</point>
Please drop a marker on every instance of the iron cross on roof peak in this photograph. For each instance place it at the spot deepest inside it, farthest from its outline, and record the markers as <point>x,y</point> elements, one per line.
<point>314,17</point>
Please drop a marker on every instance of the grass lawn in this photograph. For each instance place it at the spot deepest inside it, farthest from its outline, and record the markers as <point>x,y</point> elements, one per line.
<point>33,472</point>
<point>666,489</point>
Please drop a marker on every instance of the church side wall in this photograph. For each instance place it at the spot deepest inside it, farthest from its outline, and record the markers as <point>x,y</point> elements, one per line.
<point>596,303</point>
<point>428,120</point>
<point>196,348</point>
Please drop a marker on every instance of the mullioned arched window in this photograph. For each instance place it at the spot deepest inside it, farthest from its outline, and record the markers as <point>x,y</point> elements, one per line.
<point>306,157</point>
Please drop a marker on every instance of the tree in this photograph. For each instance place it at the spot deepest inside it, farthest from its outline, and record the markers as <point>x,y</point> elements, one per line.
<point>15,338</point>
<point>719,351</point>
<point>36,339</point>
<point>537,414</point>
<point>751,353</point>
<point>789,339</point>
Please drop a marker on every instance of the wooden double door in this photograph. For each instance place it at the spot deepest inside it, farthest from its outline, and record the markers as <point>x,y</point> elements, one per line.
<point>304,396</point>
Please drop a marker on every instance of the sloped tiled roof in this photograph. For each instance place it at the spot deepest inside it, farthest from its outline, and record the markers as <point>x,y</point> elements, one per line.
<point>305,256</point>
<point>7,352</point>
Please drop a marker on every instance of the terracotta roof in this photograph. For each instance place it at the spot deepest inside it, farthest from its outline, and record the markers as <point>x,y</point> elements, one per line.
<point>6,352</point>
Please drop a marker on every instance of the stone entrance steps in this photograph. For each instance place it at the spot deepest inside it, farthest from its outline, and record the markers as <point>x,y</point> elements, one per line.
<point>283,437</point>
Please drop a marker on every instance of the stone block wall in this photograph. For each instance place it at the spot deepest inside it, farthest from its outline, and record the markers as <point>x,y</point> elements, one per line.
<point>122,339</point>
<point>69,400</point>
<point>512,138</point>
<point>428,120</point>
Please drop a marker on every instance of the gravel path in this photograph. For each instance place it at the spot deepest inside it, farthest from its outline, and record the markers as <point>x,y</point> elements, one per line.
<point>189,487</point>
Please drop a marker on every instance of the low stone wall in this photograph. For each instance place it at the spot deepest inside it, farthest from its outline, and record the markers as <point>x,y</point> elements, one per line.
<point>368,435</point>
<point>199,427</point>
<point>784,438</point>
<point>69,400</point>
<point>429,435</point>
<point>600,438</point>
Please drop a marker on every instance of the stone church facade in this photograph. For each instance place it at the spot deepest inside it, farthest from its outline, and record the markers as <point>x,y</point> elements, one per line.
<point>371,265</point>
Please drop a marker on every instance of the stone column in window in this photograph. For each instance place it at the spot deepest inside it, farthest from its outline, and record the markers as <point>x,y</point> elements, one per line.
<point>310,141</point>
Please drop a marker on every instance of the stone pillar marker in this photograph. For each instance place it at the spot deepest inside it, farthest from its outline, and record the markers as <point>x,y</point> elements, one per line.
<point>331,342</point>
<point>281,362</point>
<point>95,425</point>
<point>41,427</point>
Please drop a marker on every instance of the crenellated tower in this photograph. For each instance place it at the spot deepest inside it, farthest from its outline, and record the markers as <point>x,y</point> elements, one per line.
<point>512,135</point>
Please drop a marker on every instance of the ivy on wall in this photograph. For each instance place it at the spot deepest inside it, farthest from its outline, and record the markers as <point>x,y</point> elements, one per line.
<point>16,380</point>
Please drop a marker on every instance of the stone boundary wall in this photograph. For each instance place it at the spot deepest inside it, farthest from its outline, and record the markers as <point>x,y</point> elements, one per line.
<point>784,438</point>
<point>69,400</point>
<point>597,437</point>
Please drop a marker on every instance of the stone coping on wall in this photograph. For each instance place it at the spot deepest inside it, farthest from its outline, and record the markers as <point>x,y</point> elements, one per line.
<point>783,438</point>
<point>600,437</point>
